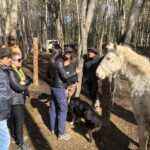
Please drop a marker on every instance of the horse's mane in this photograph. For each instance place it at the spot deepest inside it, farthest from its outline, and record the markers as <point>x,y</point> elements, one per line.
<point>140,62</point>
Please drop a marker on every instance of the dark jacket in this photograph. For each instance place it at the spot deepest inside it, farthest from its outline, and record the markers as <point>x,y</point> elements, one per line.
<point>5,94</point>
<point>19,90</point>
<point>89,76</point>
<point>57,73</point>
<point>90,66</point>
<point>71,68</point>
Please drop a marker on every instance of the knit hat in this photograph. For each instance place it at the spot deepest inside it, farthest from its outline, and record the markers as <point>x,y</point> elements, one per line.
<point>5,52</point>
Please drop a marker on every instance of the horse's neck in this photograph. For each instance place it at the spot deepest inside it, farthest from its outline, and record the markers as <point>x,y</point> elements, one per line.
<point>138,81</point>
<point>137,62</point>
<point>129,72</point>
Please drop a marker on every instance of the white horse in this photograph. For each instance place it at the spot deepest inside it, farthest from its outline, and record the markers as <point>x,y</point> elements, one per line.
<point>136,68</point>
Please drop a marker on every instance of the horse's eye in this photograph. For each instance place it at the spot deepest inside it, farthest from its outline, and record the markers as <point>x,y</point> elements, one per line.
<point>108,58</point>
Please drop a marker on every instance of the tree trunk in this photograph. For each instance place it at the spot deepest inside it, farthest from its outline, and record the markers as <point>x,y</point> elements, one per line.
<point>59,23</point>
<point>11,16</point>
<point>135,11</point>
<point>8,14</point>
<point>44,38</point>
<point>79,29</point>
<point>87,13</point>
<point>25,23</point>
<point>121,15</point>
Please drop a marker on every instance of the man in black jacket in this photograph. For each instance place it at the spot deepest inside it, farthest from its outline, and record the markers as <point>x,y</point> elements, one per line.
<point>58,78</point>
<point>5,98</point>
<point>89,87</point>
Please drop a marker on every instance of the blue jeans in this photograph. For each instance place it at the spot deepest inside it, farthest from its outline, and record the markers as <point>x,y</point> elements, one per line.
<point>4,135</point>
<point>58,110</point>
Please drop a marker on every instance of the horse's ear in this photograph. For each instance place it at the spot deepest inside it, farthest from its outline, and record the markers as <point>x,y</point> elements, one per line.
<point>115,45</point>
<point>110,46</point>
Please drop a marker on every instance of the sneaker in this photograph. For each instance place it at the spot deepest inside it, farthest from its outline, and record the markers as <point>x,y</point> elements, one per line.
<point>64,137</point>
<point>22,147</point>
<point>13,141</point>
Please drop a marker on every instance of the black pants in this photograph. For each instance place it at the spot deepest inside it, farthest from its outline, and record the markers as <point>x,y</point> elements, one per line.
<point>106,98</point>
<point>89,89</point>
<point>16,122</point>
<point>106,105</point>
<point>92,93</point>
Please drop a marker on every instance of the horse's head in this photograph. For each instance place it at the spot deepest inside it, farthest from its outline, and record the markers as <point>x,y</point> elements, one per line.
<point>111,63</point>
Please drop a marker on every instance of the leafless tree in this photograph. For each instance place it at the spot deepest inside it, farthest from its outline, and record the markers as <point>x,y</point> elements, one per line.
<point>87,13</point>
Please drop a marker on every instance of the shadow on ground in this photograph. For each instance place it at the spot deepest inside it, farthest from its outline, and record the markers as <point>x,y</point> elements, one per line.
<point>108,138</point>
<point>36,136</point>
<point>41,104</point>
<point>123,113</point>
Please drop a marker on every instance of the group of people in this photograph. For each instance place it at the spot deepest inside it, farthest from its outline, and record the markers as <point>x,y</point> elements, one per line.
<point>63,78</point>
<point>13,91</point>
<point>63,75</point>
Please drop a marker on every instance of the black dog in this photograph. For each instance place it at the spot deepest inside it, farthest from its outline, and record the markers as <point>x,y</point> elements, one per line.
<point>80,109</point>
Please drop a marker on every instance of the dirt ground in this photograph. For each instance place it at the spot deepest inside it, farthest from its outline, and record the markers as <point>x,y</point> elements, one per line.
<point>119,134</point>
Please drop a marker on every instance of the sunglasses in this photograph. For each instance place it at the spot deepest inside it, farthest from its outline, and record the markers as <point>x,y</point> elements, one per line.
<point>19,60</point>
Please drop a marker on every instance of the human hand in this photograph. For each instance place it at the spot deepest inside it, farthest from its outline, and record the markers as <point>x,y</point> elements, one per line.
<point>77,70</point>
<point>22,82</point>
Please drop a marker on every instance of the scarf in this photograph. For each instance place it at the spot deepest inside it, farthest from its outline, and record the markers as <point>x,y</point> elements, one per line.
<point>20,73</point>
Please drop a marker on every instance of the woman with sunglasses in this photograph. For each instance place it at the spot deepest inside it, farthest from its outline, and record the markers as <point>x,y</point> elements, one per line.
<point>18,100</point>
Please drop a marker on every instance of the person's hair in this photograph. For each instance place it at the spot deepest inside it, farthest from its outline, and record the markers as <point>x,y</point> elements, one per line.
<point>72,49</point>
<point>5,52</point>
<point>56,46</point>
<point>11,37</point>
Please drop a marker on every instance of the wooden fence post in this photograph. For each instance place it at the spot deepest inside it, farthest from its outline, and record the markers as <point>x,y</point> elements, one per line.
<point>35,62</point>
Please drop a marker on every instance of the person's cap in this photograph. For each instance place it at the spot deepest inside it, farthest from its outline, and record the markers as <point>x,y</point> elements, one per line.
<point>94,50</point>
<point>5,52</point>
